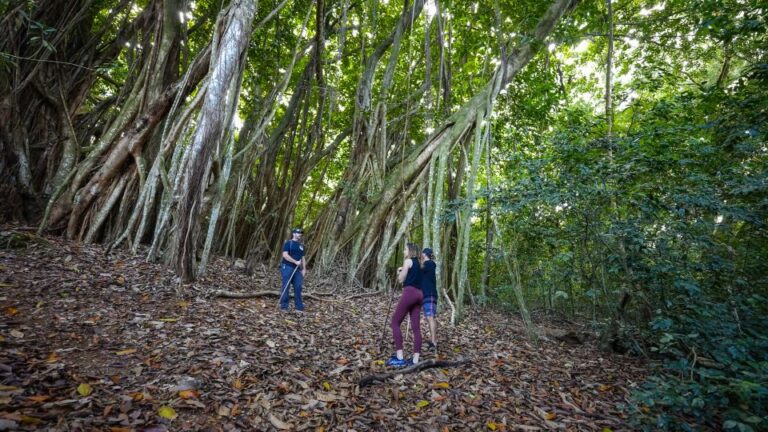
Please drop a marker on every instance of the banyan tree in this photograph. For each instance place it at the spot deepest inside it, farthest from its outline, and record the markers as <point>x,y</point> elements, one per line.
<point>182,129</point>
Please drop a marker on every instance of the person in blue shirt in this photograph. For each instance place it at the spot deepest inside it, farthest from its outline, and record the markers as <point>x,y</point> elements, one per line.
<point>429,289</point>
<point>293,268</point>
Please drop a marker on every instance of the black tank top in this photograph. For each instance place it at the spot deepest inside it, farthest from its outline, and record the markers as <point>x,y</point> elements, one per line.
<point>414,274</point>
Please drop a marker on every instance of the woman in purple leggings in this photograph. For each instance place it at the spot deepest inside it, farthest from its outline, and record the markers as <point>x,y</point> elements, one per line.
<point>409,304</point>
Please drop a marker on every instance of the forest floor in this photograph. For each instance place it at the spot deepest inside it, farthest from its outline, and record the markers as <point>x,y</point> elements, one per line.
<point>93,340</point>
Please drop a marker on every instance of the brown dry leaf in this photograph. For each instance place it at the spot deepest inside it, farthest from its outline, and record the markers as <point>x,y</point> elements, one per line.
<point>604,387</point>
<point>11,311</point>
<point>327,397</point>
<point>276,422</point>
<point>38,398</point>
<point>29,420</point>
<point>224,411</point>
<point>237,384</point>
<point>52,358</point>
<point>442,385</point>
<point>126,351</point>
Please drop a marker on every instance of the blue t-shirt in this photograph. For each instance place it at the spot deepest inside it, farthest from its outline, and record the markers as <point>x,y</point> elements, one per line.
<point>414,274</point>
<point>295,250</point>
<point>428,279</point>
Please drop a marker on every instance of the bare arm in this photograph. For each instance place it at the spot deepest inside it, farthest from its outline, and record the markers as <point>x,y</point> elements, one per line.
<point>288,258</point>
<point>403,272</point>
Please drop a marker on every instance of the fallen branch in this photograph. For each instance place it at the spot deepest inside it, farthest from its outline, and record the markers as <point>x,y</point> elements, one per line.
<point>427,364</point>
<point>247,295</point>
<point>367,294</point>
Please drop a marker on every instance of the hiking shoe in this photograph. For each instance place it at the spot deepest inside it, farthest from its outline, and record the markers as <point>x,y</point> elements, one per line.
<point>397,363</point>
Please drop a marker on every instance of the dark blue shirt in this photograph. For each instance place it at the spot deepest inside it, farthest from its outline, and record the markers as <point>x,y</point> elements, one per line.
<point>414,274</point>
<point>295,250</point>
<point>428,279</point>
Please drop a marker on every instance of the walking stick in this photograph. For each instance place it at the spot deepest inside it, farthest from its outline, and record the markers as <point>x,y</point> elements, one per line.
<point>288,282</point>
<point>384,327</point>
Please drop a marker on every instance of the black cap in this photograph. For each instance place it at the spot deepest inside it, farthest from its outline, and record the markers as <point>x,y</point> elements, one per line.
<point>428,252</point>
<point>297,231</point>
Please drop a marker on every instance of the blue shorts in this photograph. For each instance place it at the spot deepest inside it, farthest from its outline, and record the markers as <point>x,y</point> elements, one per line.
<point>429,306</point>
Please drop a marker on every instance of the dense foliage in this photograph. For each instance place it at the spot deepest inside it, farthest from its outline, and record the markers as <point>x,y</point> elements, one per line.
<point>656,233</point>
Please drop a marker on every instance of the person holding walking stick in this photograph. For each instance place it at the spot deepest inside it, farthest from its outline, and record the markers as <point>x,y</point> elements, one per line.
<point>429,289</point>
<point>293,268</point>
<point>410,304</point>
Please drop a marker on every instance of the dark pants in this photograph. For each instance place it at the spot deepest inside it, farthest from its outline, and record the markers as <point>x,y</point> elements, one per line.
<point>297,279</point>
<point>409,304</point>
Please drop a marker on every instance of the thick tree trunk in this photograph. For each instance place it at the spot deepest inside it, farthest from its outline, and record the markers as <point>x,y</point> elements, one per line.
<point>226,75</point>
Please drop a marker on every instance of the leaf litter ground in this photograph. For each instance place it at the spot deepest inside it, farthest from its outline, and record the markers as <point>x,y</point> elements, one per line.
<point>106,341</point>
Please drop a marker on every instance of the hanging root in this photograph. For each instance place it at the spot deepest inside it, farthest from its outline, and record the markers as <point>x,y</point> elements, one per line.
<point>427,364</point>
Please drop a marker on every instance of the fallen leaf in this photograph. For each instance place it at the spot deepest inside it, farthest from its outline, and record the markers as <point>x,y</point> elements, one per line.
<point>604,387</point>
<point>169,320</point>
<point>270,343</point>
<point>11,311</point>
<point>119,429</point>
<point>29,420</point>
<point>193,403</point>
<point>167,412</point>
<point>326,386</point>
<point>491,425</point>
<point>443,385</point>
<point>237,384</point>
<point>276,422</point>
<point>84,389</point>
<point>52,358</point>
<point>421,404</point>
<point>17,334</point>
<point>126,351</point>
<point>327,397</point>
<point>38,398</point>
<point>188,394</point>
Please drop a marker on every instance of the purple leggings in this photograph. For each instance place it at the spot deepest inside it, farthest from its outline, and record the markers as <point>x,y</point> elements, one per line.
<point>410,303</point>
